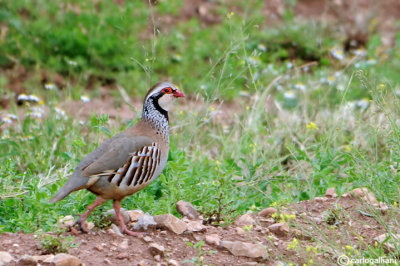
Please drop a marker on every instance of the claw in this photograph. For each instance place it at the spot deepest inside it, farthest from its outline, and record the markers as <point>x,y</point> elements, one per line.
<point>132,233</point>
<point>122,225</point>
<point>81,226</point>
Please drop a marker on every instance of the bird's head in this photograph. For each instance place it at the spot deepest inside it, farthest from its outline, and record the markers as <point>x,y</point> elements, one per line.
<point>164,94</point>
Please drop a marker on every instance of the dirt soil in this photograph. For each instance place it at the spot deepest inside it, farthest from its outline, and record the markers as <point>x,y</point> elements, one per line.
<point>327,223</point>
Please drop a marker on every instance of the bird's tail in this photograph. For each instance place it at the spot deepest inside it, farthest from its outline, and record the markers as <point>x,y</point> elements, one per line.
<point>61,194</point>
<point>73,184</point>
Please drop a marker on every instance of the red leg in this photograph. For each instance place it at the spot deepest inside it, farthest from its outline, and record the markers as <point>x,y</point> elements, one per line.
<point>124,229</point>
<point>82,219</point>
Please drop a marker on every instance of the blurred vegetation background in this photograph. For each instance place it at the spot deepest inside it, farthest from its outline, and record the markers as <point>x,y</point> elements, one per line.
<point>285,99</point>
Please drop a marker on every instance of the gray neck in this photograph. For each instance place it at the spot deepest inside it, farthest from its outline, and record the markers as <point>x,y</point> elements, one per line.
<point>156,117</point>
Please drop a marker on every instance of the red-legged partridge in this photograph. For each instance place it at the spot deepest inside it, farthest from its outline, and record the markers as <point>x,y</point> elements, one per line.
<point>129,161</point>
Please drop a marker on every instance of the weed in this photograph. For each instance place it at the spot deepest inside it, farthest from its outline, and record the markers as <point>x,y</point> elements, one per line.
<point>53,244</point>
<point>198,260</point>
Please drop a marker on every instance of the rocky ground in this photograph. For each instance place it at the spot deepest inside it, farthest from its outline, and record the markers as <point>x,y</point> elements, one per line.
<point>315,230</point>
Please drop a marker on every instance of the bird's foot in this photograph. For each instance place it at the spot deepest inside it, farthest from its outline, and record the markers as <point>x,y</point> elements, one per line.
<point>82,226</point>
<point>133,233</point>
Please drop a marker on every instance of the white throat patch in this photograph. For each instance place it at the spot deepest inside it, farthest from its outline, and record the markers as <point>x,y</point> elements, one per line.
<point>166,101</point>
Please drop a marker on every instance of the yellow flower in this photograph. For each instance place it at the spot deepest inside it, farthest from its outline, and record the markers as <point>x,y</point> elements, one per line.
<point>230,15</point>
<point>395,203</point>
<point>248,228</point>
<point>311,126</point>
<point>293,244</point>
<point>347,148</point>
<point>212,108</point>
<point>349,248</point>
<point>247,107</point>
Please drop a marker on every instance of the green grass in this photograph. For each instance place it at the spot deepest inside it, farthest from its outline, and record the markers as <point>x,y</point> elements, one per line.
<point>247,161</point>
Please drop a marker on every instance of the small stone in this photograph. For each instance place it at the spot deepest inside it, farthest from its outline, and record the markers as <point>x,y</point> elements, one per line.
<point>147,239</point>
<point>107,262</point>
<point>361,192</point>
<point>239,231</point>
<point>244,220</point>
<point>144,222</point>
<point>197,237</point>
<point>238,248</point>
<point>5,258</point>
<point>144,263</point>
<point>213,239</point>
<point>26,260</point>
<point>90,225</point>
<point>171,222</point>
<point>298,233</point>
<point>383,207</point>
<point>279,229</point>
<point>173,262</point>
<point>365,195</point>
<point>278,263</point>
<point>195,226</point>
<point>63,259</point>
<point>331,193</point>
<point>134,215</point>
<point>115,230</point>
<point>44,258</point>
<point>163,233</point>
<point>267,212</point>
<point>110,214</point>
<point>66,221</point>
<point>124,244</point>
<point>74,231</point>
<point>317,220</point>
<point>270,220</point>
<point>156,249</point>
<point>157,257</point>
<point>98,248</point>
<point>187,209</point>
<point>122,256</point>
<point>320,199</point>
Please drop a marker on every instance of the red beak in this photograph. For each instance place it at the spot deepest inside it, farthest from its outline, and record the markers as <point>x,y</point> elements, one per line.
<point>178,94</point>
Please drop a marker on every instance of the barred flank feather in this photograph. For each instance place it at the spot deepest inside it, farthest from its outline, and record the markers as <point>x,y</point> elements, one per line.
<point>139,169</point>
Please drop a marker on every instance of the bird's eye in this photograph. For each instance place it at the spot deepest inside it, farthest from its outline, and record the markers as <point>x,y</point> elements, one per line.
<point>167,90</point>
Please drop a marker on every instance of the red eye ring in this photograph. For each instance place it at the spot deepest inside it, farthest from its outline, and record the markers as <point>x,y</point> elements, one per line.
<point>167,90</point>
